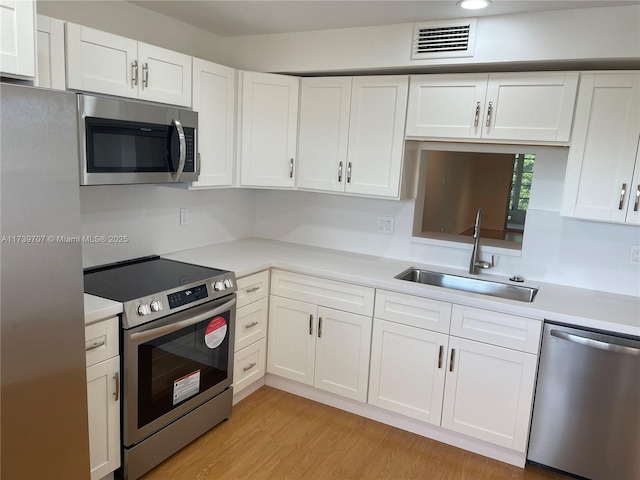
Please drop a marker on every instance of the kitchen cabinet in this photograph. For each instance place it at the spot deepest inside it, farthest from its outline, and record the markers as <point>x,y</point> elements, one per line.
<point>50,72</point>
<point>603,169</point>
<point>17,38</point>
<point>465,369</point>
<point>102,62</point>
<point>520,107</point>
<point>214,98</point>
<point>268,129</point>
<point>103,396</point>
<point>351,134</point>
<point>251,330</point>
<point>311,341</point>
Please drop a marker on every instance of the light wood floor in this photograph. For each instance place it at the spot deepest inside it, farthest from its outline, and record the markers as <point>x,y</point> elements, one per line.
<point>276,435</point>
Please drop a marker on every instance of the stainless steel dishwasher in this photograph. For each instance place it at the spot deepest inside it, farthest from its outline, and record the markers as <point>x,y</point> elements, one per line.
<point>586,413</point>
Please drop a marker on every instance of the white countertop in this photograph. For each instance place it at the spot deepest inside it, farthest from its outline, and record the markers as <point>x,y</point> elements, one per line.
<point>588,308</point>
<point>98,308</point>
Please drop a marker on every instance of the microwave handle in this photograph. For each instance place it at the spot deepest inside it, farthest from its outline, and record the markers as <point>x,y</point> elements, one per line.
<point>183,150</point>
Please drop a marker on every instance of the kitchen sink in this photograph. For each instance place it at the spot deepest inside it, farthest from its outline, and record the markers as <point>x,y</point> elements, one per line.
<point>473,285</point>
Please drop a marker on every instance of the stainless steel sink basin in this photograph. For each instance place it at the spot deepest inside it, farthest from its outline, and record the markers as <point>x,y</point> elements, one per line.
<point>473,285</point>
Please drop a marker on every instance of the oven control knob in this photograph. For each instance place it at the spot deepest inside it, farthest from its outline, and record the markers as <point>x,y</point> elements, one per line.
<point>143,309</point>
<point>155,306</point>
<point>228,283</point>
<point>218,286</point>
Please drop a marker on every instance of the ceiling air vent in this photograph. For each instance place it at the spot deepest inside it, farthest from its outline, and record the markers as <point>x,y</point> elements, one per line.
<point>443,39</point>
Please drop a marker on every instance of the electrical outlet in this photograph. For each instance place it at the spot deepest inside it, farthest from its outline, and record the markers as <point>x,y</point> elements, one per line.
<point>184,216</point>
<point>634,255</point>
<point>385,225</point>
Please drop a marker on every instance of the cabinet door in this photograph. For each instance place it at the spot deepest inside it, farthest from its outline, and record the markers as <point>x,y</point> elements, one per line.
<point>269,129</point>
<point>50,46</point>
<point>603,148</point>
<point>214,98</point>
<point>376,135</point>
<point>292,341</point>
<point>342,353</point>
<point>103,398</point>
<point>101,62</point>
<point>17,46</point>
<point>489,392</point>
<point>324,132</point>
<point>408,370</point>
<point>633,208</point>
<point>446,106</point>
<point>530,106</point>
<point>165,76</point>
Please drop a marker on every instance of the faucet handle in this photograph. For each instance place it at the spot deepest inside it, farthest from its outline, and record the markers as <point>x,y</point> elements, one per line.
<point>483,264</point>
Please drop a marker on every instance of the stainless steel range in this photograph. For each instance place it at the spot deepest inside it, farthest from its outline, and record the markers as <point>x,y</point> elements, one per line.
<point>176,340</point>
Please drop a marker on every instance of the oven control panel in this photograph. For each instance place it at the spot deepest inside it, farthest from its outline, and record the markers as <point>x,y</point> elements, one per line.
<point>187,296</point>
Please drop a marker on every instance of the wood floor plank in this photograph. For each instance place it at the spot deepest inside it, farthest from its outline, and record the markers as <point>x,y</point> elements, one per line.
<point>274,435</point>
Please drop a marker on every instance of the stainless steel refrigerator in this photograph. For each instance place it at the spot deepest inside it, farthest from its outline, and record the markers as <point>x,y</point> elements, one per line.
<point>43,421</point>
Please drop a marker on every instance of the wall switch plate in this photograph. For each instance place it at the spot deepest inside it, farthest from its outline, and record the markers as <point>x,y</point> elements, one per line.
<point>385,225</point>
<point>634,255</point>
<point>184,216</point>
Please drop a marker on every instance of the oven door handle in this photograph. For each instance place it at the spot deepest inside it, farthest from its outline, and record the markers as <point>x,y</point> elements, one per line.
<point>157,332</point>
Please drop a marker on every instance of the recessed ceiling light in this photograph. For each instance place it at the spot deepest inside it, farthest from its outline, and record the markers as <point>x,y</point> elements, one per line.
<point>474,4</point>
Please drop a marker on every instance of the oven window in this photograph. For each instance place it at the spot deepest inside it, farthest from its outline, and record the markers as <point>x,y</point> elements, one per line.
<point>175,368</point>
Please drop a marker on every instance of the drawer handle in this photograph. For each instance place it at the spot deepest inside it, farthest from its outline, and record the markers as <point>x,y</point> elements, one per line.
<point>453,354</point>
<point>440,352</point>
<point>251,365</point>
<point>253,289</point>
<point>251,325</point>
<point>319,327</point>
<point>310,324</point>
<point>96,345</point>
<point>116,394</point>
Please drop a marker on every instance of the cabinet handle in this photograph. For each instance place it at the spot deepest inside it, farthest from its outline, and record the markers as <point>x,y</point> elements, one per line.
<point>622,193</point>
<point>489,114</point>
<point>319,327</point>
<point>310,324</point>
<point>96,345</point>
<point>635,205</point>
<point>116,394</point>
<point>253,289</point>
<point>251,325</point>
<point>453,353</point>
<point>477,117</point>
<point>340,172</point>
<point>349,172</point>
<point>145,75</point>
<point>251,365</point>
<point>440,352</point>
<point>134,73</point>
<point>291,168</point>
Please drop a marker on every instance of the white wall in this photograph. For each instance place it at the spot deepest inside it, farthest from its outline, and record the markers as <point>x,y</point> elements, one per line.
<point>596,35</point>
<point>129,20</point>
<point>150,216</point>
<point>556,250</point>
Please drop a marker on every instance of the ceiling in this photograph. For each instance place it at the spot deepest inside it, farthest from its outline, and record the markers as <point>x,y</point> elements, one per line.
<point>255,17</point>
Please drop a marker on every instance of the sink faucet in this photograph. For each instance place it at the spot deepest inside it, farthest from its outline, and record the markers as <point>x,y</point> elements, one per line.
<point>475,265</point>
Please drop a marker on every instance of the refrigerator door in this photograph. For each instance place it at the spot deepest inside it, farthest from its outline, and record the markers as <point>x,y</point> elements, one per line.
<point>43,398</point>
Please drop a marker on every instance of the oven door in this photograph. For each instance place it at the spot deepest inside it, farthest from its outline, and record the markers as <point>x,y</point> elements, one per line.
<point>174,364</point>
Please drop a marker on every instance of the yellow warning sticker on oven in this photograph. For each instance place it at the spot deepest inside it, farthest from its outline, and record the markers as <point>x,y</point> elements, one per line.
<point>215,332</point>
<point>186,387</point>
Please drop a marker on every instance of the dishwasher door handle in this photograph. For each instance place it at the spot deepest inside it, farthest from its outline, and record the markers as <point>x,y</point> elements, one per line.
<point>589,342</point>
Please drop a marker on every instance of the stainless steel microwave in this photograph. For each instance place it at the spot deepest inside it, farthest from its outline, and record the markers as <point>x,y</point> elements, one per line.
<point>126,141</point>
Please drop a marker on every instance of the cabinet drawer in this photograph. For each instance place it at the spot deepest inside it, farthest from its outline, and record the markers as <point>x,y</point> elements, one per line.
<point>249,365</point>
<point>413,311</point>
<point>323,292</point>
<point>510,331</point>
<point>251,323</point>
<point>101,340</point>
<point>252,288</point>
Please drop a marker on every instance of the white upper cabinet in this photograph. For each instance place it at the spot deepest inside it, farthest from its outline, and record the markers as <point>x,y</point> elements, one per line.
<point>520,107</point>
<point>269,127</point>
<point>17,38</point>
<point>106,63</point>
<point>351,134</point>
<point>214,98</point>
<point>600,183</point>
<point>50,47</point>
